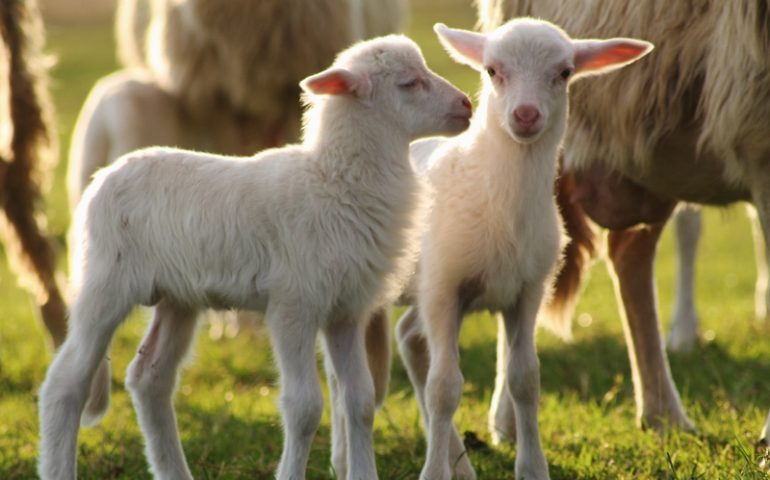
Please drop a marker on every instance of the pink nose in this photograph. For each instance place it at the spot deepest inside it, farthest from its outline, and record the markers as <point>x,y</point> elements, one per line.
<point>526,115</point>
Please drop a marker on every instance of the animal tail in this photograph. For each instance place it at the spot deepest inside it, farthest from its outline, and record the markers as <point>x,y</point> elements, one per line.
<point>556,314</point>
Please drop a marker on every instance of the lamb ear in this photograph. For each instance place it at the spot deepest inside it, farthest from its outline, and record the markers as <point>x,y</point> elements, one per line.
<point>595,57</point>
<point>338,81</point>
<point>463,46</point>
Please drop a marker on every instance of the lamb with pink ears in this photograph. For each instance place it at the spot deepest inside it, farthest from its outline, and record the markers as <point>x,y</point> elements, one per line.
<point>494,233</point>
<point>317,234</point>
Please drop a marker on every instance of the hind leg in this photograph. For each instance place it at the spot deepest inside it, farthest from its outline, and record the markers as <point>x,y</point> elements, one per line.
<point>152,379</point>
<point>414,352</point>
<point>684,321</point>
<point>502,419</point>
<point>95,316</point>
<point>632,254</point>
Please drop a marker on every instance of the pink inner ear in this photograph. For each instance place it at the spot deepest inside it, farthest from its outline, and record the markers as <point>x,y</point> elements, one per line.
<point>330,84</point>
<point>612,56</point>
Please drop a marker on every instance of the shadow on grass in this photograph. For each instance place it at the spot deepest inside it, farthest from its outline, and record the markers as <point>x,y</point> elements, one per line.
<point>597,370</point>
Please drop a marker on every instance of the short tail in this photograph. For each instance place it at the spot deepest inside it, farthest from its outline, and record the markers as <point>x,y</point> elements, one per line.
<point>580,250</point>
<point>99,395</point>
<point>379,353</point>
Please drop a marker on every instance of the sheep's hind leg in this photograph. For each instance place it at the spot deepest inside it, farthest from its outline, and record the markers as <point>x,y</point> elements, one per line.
<point>414,351</point>
<point>760,190</point>
<point>684,320</point>
<point>632,252</point>
<point>293,331</point>
<point>762,286</point>
<point>95,316</point>
<point>354,392</point>
<point>523,382</point>
<point>502,418</point>
<point>339,430</point>
<point>152,379</point>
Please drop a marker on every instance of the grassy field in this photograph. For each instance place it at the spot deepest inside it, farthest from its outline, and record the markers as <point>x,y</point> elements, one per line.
<point>226,403</point>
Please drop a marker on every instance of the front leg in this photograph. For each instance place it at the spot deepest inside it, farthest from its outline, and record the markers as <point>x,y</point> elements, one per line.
<point>632,253</point>
<point>441,317</point>
<point>523,382</point>
<point>293,331</point>
<point>353,391</point>
<point>414,352</point>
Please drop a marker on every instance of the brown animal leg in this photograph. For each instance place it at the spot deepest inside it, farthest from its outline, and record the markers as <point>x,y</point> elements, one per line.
<point>30,253</point>
<point>632,252</point>
<point>378,352</point>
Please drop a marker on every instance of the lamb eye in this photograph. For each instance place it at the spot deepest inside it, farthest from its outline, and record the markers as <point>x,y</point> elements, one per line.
<point>566,73</point>
<point>410,84</point>
<point>491,72</point>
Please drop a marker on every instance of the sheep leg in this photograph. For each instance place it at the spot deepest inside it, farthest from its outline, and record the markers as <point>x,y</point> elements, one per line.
<point>502,418</point>
<point>95,316</point>
<point>761,199</point>
<point>523,381</point>
<point>339,431</point>
<point>684,321</point>
<point>293,331</point>
<point>378,354</point>
<point>414,351</point>
<point>632,255</point>
<point>761,291</point>
<point>152,379</point>
<point>444,384</point>
<point>764,437</point>
<point>354,392</point>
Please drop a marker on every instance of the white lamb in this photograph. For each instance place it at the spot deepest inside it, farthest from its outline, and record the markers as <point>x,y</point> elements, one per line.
<point>494,232</point>
<point>315,233</point>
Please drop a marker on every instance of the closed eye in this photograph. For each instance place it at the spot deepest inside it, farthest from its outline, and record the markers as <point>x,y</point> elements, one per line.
<point>410,84</point>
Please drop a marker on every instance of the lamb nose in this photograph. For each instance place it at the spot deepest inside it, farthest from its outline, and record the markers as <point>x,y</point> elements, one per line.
<point>526,114</point>
<point>466,103</point>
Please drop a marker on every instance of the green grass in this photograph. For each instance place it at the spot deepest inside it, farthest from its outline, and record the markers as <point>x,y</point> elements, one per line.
<point>226,403</point>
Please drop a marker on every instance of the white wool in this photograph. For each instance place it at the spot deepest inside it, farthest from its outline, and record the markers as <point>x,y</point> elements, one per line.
<point>318,234</point>
<point>494,233</point>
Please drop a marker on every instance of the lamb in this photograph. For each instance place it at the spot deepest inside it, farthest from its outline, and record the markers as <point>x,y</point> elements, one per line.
<point>699,111</point>
<point>494,234</point>
<point>214,75</point>
<point>28,153</point>
<point>315,234</point>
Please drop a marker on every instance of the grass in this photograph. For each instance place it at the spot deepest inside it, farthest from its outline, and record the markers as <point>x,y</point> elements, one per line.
<point>226,402</point>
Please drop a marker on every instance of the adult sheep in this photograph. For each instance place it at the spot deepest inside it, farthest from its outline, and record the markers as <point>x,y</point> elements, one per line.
<point>28,152</point>
<point>698,109</point>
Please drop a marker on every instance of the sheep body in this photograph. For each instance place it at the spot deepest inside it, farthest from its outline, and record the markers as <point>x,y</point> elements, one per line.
<point>316,234</point>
